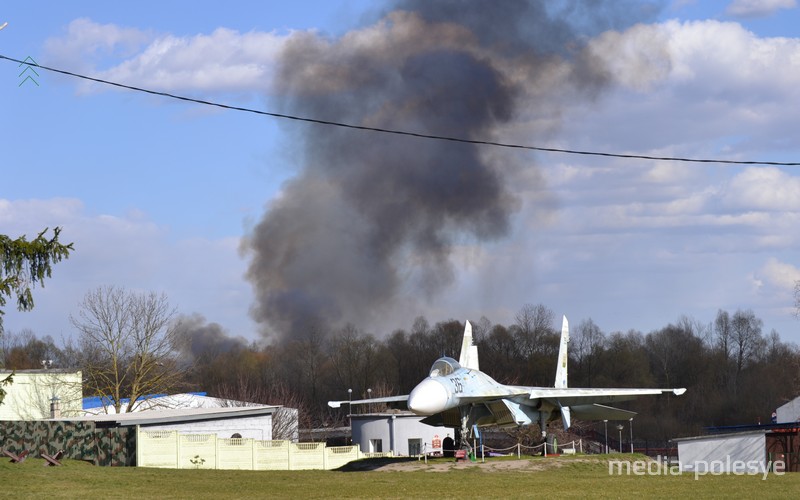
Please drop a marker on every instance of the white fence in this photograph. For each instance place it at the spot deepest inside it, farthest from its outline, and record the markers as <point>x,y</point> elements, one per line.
<point>168,449</point>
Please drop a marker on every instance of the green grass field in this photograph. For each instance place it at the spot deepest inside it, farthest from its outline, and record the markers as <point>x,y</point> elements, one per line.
<point>579,477</point>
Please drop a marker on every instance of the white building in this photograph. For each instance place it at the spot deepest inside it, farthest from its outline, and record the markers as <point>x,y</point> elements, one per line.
<point>200,414</point>
<point>790,412</point>
<point>254,422</point>
<point>721,452</point>
<point>30,395</point>
<point>402,433</point>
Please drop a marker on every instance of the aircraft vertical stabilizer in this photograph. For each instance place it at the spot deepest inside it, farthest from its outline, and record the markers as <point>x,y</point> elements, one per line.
<point>563,356</point>
<point>469,351</point>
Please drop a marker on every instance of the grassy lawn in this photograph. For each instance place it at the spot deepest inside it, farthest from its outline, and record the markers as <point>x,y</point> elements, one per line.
<point>559,478</point>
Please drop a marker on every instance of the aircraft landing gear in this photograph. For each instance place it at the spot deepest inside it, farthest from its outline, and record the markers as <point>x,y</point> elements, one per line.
<point>463,434</point>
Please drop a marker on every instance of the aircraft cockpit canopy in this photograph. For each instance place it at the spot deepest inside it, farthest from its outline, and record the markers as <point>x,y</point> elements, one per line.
<point>444,366</point>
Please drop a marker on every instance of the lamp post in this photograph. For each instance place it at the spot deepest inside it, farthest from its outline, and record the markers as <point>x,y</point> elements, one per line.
<point>369,396</point>
<point>631,427</point>
<point>350,412</point>
<point>619,428</point>
<point>605,423</point>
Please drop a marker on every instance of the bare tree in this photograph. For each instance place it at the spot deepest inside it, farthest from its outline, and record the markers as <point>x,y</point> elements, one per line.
<point>722,332</point>
<point>287,420</point>
<point>589,340</point>
<point>747,338</point>
<point>353,357</point>
<point>532,323</point>
<point>128,341</point>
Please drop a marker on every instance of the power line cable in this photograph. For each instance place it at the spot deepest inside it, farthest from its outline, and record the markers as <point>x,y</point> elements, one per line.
<point>402,132</point>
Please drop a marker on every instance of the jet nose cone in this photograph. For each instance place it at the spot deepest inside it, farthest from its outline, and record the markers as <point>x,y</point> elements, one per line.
<point>427,398</point>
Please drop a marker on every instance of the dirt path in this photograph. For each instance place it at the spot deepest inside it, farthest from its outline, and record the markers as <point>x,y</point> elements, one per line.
<point>528,464</point>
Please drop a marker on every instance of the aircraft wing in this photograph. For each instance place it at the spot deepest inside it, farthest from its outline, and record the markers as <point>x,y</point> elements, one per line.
<point>388,399</point>
<point>570,397</point>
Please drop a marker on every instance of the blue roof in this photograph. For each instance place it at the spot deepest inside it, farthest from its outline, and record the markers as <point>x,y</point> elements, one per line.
<point>103,401</point>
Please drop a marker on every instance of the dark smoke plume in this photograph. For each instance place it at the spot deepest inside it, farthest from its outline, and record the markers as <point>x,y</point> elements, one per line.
<point>371,216</point>
<point>201,342</point>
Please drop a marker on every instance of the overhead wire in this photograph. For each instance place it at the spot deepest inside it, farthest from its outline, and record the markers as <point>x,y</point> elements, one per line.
<point>396,131</point>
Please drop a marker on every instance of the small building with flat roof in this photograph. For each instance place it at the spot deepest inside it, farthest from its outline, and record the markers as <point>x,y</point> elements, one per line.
<point>401,432</point>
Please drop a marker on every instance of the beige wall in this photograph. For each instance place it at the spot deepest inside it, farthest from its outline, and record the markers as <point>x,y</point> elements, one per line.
<point>28,397</point>
<point>169,449</point>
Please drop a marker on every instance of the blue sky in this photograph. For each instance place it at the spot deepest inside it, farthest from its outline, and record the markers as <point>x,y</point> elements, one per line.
<point>157,194</point>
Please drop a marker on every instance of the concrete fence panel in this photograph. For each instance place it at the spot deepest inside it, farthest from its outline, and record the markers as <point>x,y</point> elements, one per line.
<point>197,451</point>
<point>157,449</point>
<point>307,456</point>
<point>168,449</point>
<point>338,456</point>
<point>271,455</point>
<point>235,453</point>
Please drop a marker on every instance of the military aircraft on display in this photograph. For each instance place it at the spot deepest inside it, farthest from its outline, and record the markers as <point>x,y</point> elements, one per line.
<point>457,394</point>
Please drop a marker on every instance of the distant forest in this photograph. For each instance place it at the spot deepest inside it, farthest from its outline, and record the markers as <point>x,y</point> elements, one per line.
<point>734,372</point>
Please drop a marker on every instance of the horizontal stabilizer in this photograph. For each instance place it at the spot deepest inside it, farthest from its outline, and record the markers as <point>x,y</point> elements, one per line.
<point>600,412</point>
<point>388,399</point>
<point>571,397</point>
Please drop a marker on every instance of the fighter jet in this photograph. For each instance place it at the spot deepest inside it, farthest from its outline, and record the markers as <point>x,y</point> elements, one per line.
<point>458,394</point>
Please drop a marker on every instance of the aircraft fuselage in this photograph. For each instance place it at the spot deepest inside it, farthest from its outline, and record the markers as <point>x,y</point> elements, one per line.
<point>449,386</point>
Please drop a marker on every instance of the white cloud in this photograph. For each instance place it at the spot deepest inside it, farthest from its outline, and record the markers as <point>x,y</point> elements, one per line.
<point>764,188</point>
<point>85,42</point>
<point>724,94</point>
<point>224,60</point>
<point>758,8</point>
<point>781,274</point>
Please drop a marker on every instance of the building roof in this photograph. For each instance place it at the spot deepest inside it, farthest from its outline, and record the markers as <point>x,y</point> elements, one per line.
<point>175,415</point>
<point>101,405</point>
<point>36,371</point>
<point>98,404</point>
<point>718,436</point>
<point>785,426</point>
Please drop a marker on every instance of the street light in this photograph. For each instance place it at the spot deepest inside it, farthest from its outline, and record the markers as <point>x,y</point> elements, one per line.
<point>619,428</point>
<point>350,412</point>
<point>605,423</point>
<point>631,427</point>
<point>369,396</point>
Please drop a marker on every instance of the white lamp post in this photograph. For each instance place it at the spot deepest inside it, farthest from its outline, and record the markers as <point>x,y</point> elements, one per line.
<point>631,427</point>
<point>350,412</point>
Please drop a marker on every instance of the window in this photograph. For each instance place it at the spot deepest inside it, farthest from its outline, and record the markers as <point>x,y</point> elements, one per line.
<point>444,366</point>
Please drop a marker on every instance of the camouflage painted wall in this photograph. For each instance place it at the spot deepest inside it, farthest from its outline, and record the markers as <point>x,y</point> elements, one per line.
<point>80,440</point>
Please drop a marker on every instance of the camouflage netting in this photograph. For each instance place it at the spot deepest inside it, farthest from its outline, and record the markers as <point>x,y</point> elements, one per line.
<point>80,441</point>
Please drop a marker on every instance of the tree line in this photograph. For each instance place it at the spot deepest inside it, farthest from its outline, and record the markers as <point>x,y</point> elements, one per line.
<point>132,344</point>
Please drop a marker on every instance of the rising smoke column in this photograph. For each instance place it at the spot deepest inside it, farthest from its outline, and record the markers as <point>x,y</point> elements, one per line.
<point>370,215</point>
